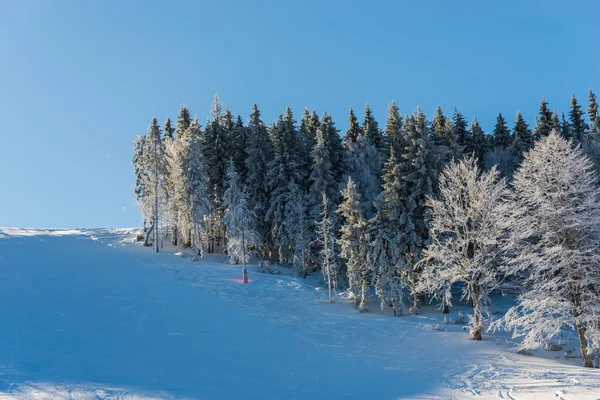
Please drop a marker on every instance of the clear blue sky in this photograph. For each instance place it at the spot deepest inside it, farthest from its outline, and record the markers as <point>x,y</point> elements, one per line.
<point>78,79</point>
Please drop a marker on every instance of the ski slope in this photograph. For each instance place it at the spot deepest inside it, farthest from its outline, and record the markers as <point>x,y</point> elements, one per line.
<point>86,314</point>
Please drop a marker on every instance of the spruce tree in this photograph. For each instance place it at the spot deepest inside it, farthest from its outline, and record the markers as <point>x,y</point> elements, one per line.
<point>328,244</point>
<point>593,111</point>
<point>140,189</point>
<point>479,141</point>
<point>183,120</point>
<point>444,138</point>
<point>364,166</point>
<point>335,146</point>
<point>354,130</point>
<point>298,228</point>
<point>257,164</point>
<point>522,138</point>
<point>555,122</point>
<point>168,129</point>
<point>461,132</point>
<point>543,122</point>
<point>372,132</point>
<point>502,137</point>
<point>565,128</point>
<point>353,245</point>
<point>393,128</point>
<point>577,123</point>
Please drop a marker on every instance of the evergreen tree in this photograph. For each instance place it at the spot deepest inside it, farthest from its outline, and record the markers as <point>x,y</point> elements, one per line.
<point>239,145</point>
<point>140,189</point>
<point>543,122</point>
<point>522,138</point>
<point>364,166</point>
<point>555,122</point>
<point>502,137</point>
<point>593,111</point>
<point>327,241</point>
<point>322,179</point>
<point>298,228</point>
<point>353,245</point>
<point>168,129</point>
<point>461,133</point>
<point>372,132</point>
<point>354,130</point>
<point>479,142</point>
<point>565,128</point>
<point>239,220</point>
<point>393,128</point>
<point>335,146</point>
<point>284,168</point>
<point>183,120</point>
<point>257,165</point>
<point>578,125</point>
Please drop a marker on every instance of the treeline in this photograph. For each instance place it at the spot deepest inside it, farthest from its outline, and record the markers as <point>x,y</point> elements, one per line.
<point>360,208</point>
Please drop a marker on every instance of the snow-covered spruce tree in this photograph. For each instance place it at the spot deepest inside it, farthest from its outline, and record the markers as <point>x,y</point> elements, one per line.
<point>353,245</point>
<point>328,253</point>
<point>555,238</point>
<point>364,166</point>
<point>373,133</point>
<point>284,168</point>
<point>577,123</point>
<point>168,129</point>
<point>260,154</point>
<point>478,140</point>
<point>543,122</point>
<point>297,228</point>
<point>565,128</point>
<point>444,138</point>
<point>555,121</point>
<point>322,181</point>
<point>522,138</point>
<point>335,146</point>
<point>469,222</point>
<point>501,133</point>
<point>393,129</point>
<point>216,150</point>
<point>593,111</point>
<point>354,130</point>
<point>461,133</point>
<point>140,175</point>
<point>156,171</point>
<point>239,220</point>
<point>195,179</point>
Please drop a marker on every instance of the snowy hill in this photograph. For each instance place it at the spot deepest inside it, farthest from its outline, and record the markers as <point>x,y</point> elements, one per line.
<point>87,314</point>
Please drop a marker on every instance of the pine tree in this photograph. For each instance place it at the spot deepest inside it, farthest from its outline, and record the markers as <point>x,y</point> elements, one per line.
<point>522,138</point>
<point>372,132</point>
<point>364,166</point>
<point>239,220</point>
<point>393,128</point>
<point>196,185</point>
<point>565,128</point>
<point>556,203</point>
<point>479,142</point>
<point>543,123</point>
<point>168,129</point>
<point>463,138</point>
<point>156,170</point>
<point>387,234</point>
<point>468,226</point>
<point>354,130</point>
<point>577,123</point>
<point>593,111</point>
<point>257,163</point>
<point>335,146</point>
<point>284,168</point>
<point>327,241</point>
<point>183,120</point>
<point>353,245</point>
<point>502,137</point>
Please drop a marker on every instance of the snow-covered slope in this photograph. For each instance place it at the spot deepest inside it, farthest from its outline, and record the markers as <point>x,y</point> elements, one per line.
<point>86,314</point>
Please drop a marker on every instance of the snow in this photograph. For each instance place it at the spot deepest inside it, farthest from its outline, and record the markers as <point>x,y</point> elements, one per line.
<point>108,318</point>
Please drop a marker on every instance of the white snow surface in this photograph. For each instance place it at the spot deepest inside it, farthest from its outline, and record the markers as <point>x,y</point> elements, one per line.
<point>88,314</point>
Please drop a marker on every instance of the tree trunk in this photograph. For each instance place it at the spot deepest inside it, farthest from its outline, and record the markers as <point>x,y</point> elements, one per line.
<point>362,307</point>
<point>445,309</point>
<point>148,233</point>
<point>477,327</point>
<point>583,344</point>
<point>174,233</point>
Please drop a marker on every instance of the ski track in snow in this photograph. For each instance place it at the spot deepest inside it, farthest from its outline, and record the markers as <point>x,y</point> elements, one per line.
<point>440,364</point>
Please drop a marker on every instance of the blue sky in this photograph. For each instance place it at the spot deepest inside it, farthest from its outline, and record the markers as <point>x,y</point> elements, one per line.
<point>78,79</point>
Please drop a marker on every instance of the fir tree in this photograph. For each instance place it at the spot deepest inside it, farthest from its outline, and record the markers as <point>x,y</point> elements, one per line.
<point>577,123</point>
<point>364,166</point>
<point>353,245</point>
<point>593,111</point>
<point>183,120</point>
<point>298,228</point>
<point>168,129</point>
<point>372,132</point>
<point>479,142</point>
<point>354,130</point>
<point>140,189</point>
<point>257,165</point>
<point>327,241</point>
<point>522,138</point>
<point>335,146</point>
<point>239,220</point>
<point>502,137</point>
<point>543,122</point>
<point>565,128</point>
<point>555,122</point>
<point>393,128</point>
<point>461,133</point>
